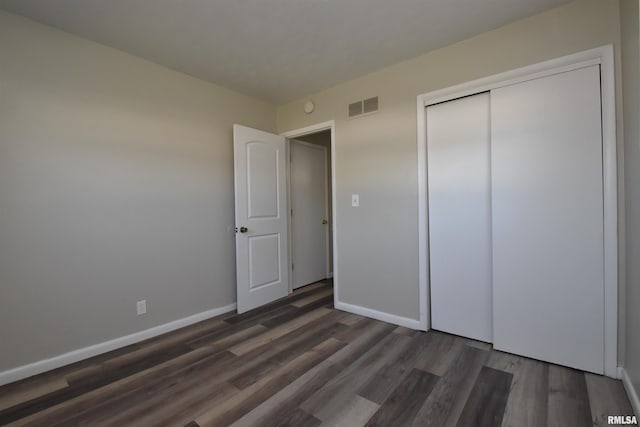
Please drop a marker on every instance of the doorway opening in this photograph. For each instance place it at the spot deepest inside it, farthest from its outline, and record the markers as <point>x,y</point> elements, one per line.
<point>311,219</point>
<point>312,206</point>
<point>265,259</point>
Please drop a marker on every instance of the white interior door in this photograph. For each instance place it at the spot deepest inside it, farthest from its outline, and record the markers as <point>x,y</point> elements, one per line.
<point>548,219</point>
<point>459,180</point>
<point>309,219</point>
<point>261,217</point>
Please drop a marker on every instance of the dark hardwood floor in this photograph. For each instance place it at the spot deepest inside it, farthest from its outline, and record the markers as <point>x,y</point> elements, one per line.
<point>299,362</point>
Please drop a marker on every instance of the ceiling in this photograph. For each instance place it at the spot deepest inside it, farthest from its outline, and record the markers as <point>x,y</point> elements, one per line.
<point>277,50</point>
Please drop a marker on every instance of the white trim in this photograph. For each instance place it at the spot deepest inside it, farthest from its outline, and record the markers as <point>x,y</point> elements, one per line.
<point>379,315</point>
<point>45,365</point>
<point>423,233</point>
<point>327,162</point>
<point>610,186</point>
<point>329,125</point>
<point>632,393</point>
<point>602,56</point>
<point>519,75</point>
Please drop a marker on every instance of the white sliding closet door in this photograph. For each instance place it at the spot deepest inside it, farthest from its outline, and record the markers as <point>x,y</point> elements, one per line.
<point>458,153</point>
<point>548,219</point>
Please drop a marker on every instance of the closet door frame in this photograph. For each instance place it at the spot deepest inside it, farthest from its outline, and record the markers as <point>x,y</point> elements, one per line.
<point>602,56</point>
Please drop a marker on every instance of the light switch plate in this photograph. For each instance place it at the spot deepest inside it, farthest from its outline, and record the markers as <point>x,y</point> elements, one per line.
<point>355,200</point>
<point>141,307</point>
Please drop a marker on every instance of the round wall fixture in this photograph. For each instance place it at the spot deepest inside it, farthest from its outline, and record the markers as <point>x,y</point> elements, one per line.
<point>309,106</point>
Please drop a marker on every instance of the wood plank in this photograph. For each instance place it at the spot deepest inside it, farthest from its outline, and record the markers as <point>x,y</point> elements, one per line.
<point>107,378</point>
<point>606,397</point>
<point>356,329</point>
<point>568,398</point>
<point>157,404</point>
<point>232,409</point>
<point>406,400</point>
<point>322,284</point>
<point>291,348</point>
<point>403,330</point>
<point>65,409</point>
<point>34,391</point>
<point>331,398</point>
<point>445,403</point>
<point>331,357</point>
<point>381,383</point>
<point>289,398</point>
<point>277,307</point>
<point>124,366</point>
<point>184,390</point>
<point>150,353</point>
<point>275,410</point>
<point>488,399</point>
<point>528,398</point>
<point>443,352</point>
<point>53,377</point>
<point>277,332</point>
<point>179,407</point>
<point>287,317</point>
<point>223,342</point>
<point>299,418</point>
<point>186,333</point>
<point>313,298</point>
<point>351,319</point>
<point>222,372</point>
<point>479,344</point>
<point>355,412</point>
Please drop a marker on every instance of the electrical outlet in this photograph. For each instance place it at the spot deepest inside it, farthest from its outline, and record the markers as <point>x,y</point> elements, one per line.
<point>355,200</point>
<point>141,307</point>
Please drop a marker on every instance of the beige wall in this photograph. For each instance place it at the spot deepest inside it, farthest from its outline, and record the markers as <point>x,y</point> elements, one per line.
<point>376,155</point>
<point>116,184</point>
<point>629,14</point>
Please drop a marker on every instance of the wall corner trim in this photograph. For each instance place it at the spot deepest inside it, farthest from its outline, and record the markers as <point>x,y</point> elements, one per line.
<point>631,392</point>
<point>25,371</point>
<point>380,315</point>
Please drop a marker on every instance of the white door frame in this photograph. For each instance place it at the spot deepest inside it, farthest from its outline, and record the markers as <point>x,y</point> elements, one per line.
<point>602,56</point>
<point>296,133</point>
<point>326,203</point>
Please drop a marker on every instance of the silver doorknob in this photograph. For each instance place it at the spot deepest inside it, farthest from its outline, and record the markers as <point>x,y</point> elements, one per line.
<point>325,222</point>
<point>243,229</point>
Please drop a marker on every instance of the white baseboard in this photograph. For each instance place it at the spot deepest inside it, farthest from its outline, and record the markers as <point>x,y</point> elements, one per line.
<point>25,371</point>
<point>631,392</point>
<point>379,315</point>
<point>330,275</point>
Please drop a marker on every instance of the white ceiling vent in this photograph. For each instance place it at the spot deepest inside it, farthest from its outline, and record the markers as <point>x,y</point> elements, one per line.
<point>364,107</point>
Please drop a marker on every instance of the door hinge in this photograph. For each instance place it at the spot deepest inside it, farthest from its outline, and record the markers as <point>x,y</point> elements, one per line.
<point>291,266</point>
<point>291,212</point>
